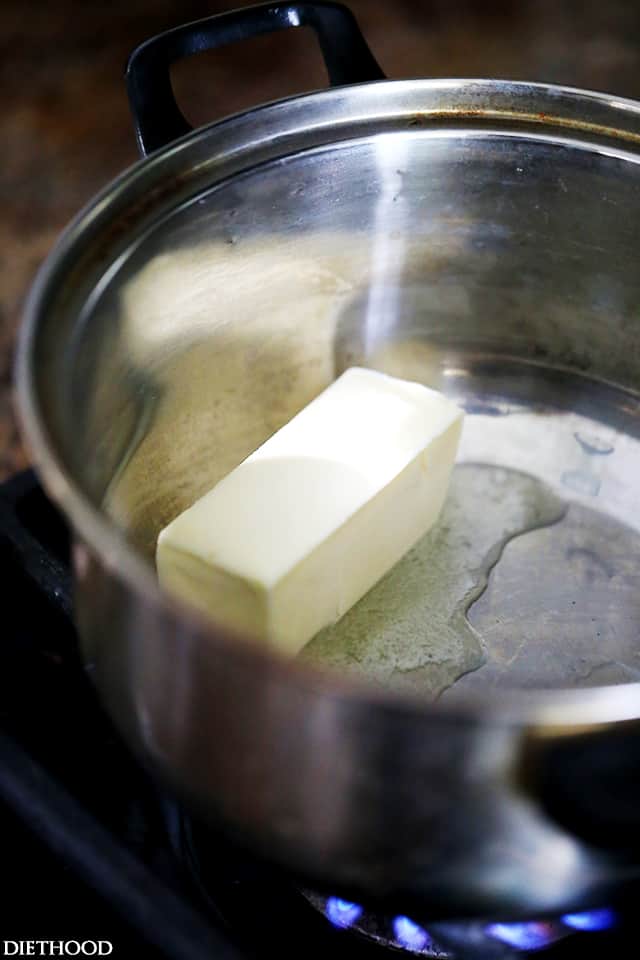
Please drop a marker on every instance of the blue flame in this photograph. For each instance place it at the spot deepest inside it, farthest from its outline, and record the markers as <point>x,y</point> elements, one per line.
<point>523,936</point>
<point>409,934</point>
<point>342,913</point>
<point>602,919</point>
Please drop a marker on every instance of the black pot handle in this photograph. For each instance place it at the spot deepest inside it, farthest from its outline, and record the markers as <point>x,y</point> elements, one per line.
<point>156,114</point>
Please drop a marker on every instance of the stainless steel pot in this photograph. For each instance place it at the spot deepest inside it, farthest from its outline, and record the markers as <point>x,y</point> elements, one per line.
<point>478,235</point>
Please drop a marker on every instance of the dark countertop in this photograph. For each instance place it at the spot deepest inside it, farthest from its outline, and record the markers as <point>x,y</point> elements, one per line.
<point>65,128</point>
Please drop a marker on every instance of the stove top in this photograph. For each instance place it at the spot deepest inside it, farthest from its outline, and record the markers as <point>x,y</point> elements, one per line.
<point>94,849</point>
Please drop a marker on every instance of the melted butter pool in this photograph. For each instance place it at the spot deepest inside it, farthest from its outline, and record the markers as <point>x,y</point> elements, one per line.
<point>412,629</point>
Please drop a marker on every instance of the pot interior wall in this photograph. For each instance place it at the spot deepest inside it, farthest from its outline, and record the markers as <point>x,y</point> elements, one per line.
<point>499,268</point>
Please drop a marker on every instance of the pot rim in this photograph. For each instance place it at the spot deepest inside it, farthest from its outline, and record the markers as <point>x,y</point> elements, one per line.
<point>549,711</point>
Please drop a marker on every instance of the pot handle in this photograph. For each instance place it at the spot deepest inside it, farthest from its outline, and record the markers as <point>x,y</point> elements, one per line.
<point>588,782</point>
<point>157,117</point>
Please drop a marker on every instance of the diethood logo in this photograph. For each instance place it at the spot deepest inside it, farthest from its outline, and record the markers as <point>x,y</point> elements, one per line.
<point>57,948</point>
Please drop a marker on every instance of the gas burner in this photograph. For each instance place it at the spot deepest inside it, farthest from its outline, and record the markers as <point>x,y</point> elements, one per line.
<point>442,941</point>
<point>399,932</point>
<point>257,899</point>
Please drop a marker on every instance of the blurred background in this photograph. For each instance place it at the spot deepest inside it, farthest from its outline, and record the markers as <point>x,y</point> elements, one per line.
<point>65,128</point>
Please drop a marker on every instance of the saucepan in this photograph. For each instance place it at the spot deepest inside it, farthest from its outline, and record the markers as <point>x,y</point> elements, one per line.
<point>473,746</point>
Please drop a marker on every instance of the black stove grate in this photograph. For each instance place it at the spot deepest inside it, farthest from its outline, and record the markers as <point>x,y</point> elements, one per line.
<point>84,829</point>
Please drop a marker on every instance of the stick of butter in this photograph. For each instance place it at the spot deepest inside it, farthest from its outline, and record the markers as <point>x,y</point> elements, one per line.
<point>297,533</point>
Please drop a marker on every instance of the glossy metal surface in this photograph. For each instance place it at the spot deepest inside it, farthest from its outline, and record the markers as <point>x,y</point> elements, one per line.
<point>481,237</point>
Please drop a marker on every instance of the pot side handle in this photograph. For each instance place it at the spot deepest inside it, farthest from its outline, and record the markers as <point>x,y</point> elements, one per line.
<point>588,782</point>
<point>157,117</point>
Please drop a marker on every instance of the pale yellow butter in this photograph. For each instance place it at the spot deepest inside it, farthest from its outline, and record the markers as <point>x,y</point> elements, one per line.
<point>308,523</point>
